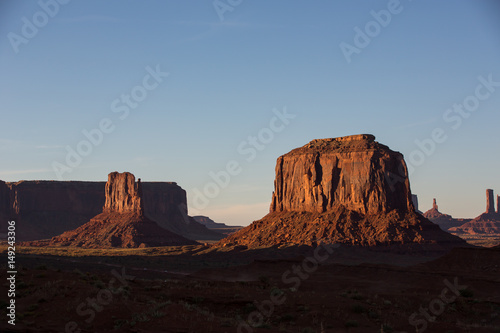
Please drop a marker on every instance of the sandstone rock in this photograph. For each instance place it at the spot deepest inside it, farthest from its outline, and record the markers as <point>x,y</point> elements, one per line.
<point>122,222</point>
<point>219,227</point>
<point>350,190</point>
<point>44,209</point>
<point>486,223</point>
<point>498,204</point>
<point>123,195</point>
<point>355,171</point>
<point>444,221</point>
<point>490,204</point>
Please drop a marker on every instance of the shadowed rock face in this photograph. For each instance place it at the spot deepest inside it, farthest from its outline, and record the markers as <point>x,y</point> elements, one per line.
<point>490,203</point>
<point>122,222</point>
<point>355,172</point>
<point>350,190</point>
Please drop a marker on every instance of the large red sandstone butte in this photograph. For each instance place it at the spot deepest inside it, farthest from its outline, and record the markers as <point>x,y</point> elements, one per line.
<point>122,222</point>
<point>350,190</point>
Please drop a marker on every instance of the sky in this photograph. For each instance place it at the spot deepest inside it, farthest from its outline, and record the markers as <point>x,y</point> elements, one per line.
<point>210,93</point>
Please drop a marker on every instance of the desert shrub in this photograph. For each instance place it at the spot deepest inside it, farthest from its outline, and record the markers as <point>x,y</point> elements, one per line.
<point>287,317</point>
<point>386,328</point>
<point>466,293</point>
<point>358,308</point>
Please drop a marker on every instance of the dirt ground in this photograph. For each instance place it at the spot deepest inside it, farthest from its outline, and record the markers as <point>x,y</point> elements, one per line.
<point>298,289</point>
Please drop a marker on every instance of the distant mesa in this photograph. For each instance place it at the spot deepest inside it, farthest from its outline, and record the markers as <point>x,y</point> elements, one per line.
<point>218,227</point>
<point>122,222</point>
<point>486,223</point>
<point>350,190</point>
<point>444,221</point>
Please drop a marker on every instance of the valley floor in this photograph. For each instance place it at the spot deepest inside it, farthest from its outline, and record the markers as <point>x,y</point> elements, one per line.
<point>297,289</point>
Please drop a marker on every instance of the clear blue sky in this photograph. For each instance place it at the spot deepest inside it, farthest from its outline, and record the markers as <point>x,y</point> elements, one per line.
<point>227,76</point>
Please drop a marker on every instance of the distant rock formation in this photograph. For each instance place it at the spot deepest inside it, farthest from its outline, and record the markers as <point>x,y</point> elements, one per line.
<point>44,209</point>
<point>219,227</point>
<point>414,199</point>
<point>341,190</point>
<point>490,203</point>
<point>122,222</point>
<point>444,221</point>
<point>498,204</point>
<point>486,223</point>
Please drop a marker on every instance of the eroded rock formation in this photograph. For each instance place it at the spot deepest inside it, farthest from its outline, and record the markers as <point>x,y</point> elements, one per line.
<point>486,223</point>
<point>122,222</point>
<point>355,172</point>
<point>490,203</point>
<point>44,209</point>
<point>350,190</point>
<point>498,204</point>
<point>444,221</point>
<point>123,194</point>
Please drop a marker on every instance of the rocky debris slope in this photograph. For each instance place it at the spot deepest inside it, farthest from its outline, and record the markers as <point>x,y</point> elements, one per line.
<point>122,222</point>
<point>350,190</point>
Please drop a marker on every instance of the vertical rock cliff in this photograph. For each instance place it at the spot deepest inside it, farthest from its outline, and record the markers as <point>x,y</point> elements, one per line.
<point>490,202</point>
<point>355,172</point>
<point>123,194</point>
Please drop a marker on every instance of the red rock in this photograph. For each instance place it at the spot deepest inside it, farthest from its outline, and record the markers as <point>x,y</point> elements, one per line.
<point>123,194</point>
<point>444,221</point>
<point>490,204</point>
<point>486,223</point>
<point>354,171</point>
<point>498,204</point>
<point>350,190</point>
<point>121,224</point>
<point>44,209</point>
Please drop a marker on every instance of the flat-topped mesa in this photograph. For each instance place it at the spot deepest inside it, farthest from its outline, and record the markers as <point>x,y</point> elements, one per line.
<point>355,172</point>
<point>490,204</point>
<point>123,194</point>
